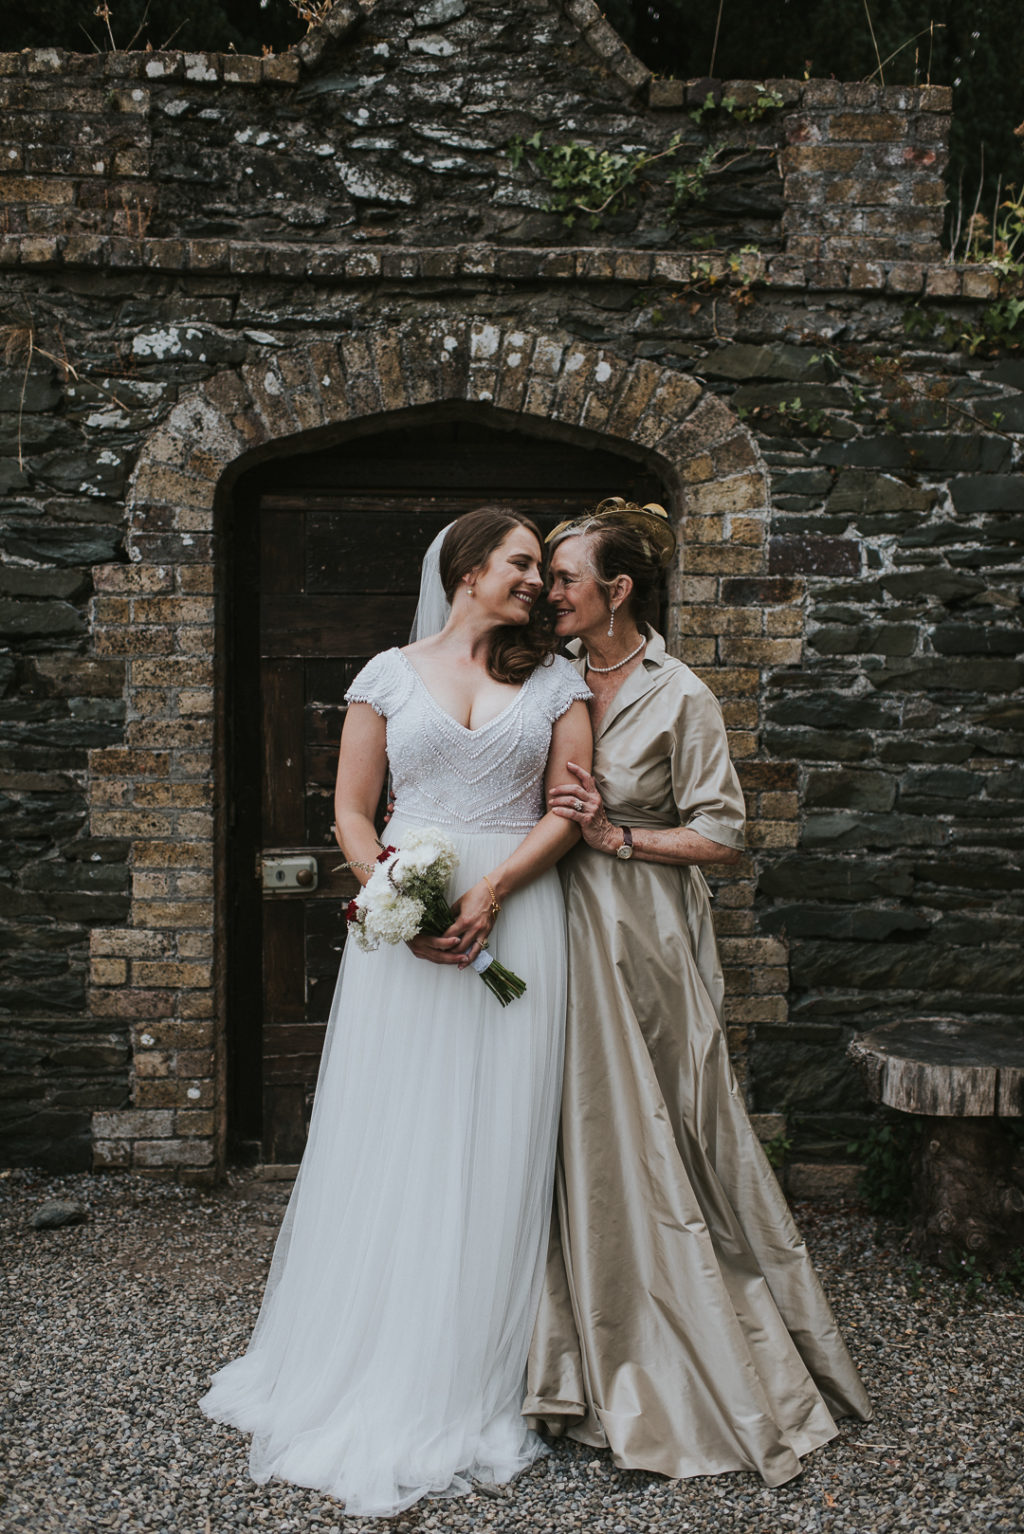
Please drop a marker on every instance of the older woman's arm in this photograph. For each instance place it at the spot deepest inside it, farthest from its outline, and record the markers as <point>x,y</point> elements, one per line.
<point>673,844</point>
<point>705,787</point>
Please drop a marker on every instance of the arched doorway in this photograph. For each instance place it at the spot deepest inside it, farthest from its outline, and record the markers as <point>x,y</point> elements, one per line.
<point>325,554</point>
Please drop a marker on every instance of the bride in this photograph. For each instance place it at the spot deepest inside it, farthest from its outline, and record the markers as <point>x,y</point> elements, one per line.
<point>389,1355</point>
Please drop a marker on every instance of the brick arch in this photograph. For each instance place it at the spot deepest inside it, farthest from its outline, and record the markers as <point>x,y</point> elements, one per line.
<point>160,973</point>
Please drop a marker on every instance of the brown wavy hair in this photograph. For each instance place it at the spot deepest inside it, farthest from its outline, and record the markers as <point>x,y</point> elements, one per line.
<point>516,649</point>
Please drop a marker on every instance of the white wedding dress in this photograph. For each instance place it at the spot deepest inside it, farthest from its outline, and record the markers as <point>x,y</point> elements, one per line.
<point>389,1355</point>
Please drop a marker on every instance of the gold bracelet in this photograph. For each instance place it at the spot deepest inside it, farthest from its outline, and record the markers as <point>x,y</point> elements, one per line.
<point>495,902</point>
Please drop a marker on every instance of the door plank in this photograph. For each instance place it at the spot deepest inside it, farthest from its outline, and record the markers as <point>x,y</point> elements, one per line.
<point>326,626</point>
<point>283,750</point>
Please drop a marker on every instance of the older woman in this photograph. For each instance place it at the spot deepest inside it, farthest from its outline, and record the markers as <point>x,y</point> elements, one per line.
<point>682,1324</point>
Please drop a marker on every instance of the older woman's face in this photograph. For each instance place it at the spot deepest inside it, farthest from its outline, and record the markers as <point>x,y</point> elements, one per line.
<point>580,605</point>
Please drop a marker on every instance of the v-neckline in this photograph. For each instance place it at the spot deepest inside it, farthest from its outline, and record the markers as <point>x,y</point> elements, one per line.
<point>465,728</point>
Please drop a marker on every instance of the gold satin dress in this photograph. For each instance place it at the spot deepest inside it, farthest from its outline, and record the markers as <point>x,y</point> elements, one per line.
<point>682,1325</point>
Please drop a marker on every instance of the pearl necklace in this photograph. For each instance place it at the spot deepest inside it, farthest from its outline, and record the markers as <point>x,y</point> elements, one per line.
<point>604,670</point>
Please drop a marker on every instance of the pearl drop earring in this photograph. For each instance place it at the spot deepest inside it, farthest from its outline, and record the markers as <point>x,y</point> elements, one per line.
<point>611,626</point>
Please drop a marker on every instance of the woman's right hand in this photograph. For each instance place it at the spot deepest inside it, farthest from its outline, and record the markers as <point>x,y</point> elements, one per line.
<point>436,950</point>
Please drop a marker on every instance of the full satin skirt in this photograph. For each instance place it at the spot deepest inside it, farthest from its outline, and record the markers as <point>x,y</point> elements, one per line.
<point>388,1360</point>
<point>682,1325</point>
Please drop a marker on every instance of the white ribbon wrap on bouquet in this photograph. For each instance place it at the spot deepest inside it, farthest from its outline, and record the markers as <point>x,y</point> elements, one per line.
<point>483,961</point>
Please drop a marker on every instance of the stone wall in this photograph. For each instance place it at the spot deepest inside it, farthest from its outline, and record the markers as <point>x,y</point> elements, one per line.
<point>401,134</point>
<point>844,473</point>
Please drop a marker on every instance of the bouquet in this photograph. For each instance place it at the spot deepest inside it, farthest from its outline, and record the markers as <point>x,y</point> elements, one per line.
<point>405,895</point>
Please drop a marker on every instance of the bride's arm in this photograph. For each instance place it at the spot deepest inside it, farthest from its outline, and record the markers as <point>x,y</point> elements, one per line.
<point>571,740</point>
<point>362,765</point>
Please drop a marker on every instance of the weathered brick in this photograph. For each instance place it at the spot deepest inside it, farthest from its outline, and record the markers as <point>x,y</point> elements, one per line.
<point>132,1124</point>
<point>746,651</point>
<point>194,1123</point>
<point>174,913</point>
<point>147,973</point>
<point>172,1152</point>
<point>108,972</point>
<point>128,943</point>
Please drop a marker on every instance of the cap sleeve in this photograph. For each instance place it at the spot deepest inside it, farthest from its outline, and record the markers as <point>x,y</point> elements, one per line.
<point>705,786</point>
<point>380,683</point>
<point>563,686</point>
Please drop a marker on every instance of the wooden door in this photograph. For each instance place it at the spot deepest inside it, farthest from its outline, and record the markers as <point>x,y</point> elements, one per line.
<point>327,560</point>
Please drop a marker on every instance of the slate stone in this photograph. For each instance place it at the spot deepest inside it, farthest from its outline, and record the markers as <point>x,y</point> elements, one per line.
<point>58,874</point>
<point>90,1055</point>
<point>818,745</point>
<point>88,473</point>
<point>867,639</point>
<point>804,482</point>
<point>861,924</point>
<point>1008,371</point>
<point>892,832</point>
<point>984,559</point>
<point>858,491</point>
<point>988,492</point>
<point>24,581</point>
<point>814,556</point>
<point>12,476</point>
<point>94,545</point>
<point>58,1212</point>
<point>947,782</point>
<point>925,967</point>
<point>789,1077</point>
<point>913,749</point>
<point>829,709</point>
<point>33,434</point>
<point>37,389</point>
<point>804,520</point>
<point>742,361</point>
<point>860,878</point>
<point>847,789</point>
<point>941,584</point>
<point>812,396</point>
<point>35,620</point>
<point>926,675</point>
<point>97,849</point>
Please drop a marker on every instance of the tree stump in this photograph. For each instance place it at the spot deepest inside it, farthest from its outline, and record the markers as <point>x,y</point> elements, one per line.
<point>962,1079</point>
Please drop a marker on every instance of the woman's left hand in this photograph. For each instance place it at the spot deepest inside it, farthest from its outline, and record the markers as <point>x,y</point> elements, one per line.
<point>582,803</point>
<point>473,922</point>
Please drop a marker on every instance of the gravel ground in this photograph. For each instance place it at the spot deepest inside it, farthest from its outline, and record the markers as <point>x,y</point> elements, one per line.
<point>112,1328</point>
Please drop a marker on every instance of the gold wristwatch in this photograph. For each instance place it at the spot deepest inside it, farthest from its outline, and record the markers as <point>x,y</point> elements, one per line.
<point>625,852</point>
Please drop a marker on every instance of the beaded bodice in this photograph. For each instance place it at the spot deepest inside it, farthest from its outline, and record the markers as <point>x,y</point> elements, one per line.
<point>489,779</point>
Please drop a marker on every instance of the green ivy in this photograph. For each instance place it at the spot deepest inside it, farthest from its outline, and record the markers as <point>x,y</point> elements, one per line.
<point>885,1154</point>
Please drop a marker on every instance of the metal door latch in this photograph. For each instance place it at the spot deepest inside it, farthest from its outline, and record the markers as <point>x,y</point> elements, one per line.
<point>290,872</point>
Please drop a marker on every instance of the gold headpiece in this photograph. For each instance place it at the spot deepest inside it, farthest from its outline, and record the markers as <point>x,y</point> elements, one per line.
<point>650,521</point>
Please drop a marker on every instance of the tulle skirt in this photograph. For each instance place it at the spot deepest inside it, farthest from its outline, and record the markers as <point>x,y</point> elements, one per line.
<point>389,1355</point>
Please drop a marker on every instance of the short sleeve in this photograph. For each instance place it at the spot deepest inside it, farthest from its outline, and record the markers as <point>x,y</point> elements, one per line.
<point>379,683</point>
<point>563,686</point>
<point>705,786</point>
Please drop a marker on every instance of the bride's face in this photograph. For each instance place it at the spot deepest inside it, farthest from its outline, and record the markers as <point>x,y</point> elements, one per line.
<point>507,586</point>
<point>580,604</point>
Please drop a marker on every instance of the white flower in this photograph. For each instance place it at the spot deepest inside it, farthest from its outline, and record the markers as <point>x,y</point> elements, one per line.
<point>427,849</point>
<point>394,918</point>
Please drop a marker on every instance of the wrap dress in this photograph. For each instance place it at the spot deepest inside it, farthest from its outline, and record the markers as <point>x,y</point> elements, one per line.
<point>681,1325</point>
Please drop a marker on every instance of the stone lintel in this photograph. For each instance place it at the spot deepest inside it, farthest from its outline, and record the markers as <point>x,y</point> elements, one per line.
<point>332,264</point>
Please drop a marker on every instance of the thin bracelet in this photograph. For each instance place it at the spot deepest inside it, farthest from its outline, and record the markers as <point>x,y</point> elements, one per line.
<point>495,902</point>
